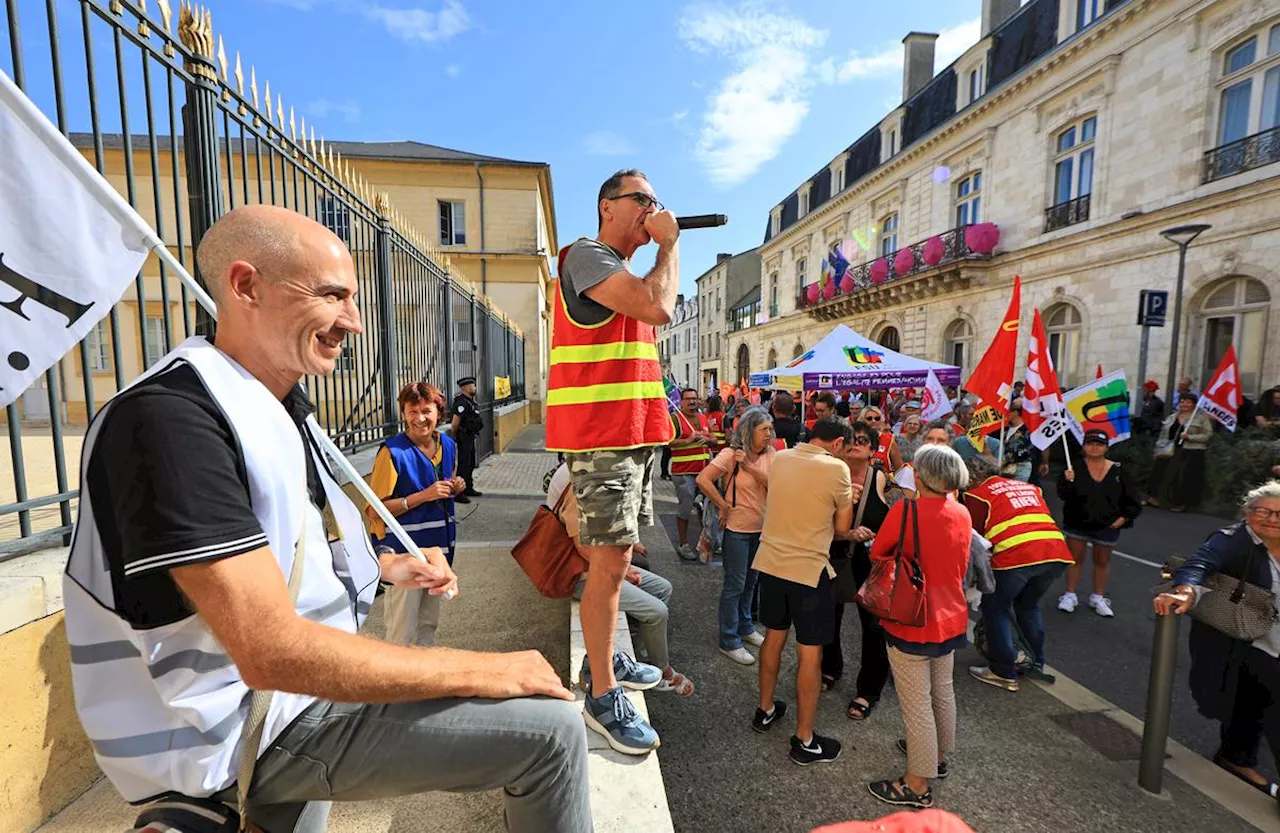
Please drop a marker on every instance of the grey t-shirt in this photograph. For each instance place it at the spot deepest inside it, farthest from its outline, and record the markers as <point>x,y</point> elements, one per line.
<point>588,263</point>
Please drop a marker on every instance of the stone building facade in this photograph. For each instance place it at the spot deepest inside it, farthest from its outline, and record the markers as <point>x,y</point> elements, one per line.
<point>678,343</point>
<point>1082,129</point>
<point>720,290</point>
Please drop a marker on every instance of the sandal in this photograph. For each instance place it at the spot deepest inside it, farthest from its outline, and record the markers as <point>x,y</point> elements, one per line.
<point>898,794</point>
<point>1267,787</point>
<point>678,684</point>
<point>828,683</point>
<point>858,711</point>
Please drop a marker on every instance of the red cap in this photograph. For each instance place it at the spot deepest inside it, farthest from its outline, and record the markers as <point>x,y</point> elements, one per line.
<point>924,821</point>
<point>1151,385</point>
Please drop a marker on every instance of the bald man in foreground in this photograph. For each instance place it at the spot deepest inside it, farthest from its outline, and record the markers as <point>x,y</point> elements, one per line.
<point>202,484</point>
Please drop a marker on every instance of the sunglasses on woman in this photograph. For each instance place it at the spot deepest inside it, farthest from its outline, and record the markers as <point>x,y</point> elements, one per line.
<point>862,439</point>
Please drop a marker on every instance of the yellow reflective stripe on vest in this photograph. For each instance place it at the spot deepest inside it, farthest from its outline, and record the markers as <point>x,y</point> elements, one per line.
<point>1044,535</point>
<point>608,392</point>
<point>613,351</point>
<point>994,532</point>
<point>686,458</point>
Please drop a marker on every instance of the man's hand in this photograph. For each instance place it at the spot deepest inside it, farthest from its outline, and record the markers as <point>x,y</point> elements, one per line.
<point>1177,602</point>
<point>862,535</point>
<point>633,576</point>
<point>437,491</point>
<point>856,492</point>
<point>662,227</point>
<point>1118,523</point>
<point>517,674</point>
<point>1070,475</point>
<point>411,572</point>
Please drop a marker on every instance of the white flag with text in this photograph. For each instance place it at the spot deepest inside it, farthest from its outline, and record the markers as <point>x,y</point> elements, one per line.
<point>69,246</point>
<point>934,403</point>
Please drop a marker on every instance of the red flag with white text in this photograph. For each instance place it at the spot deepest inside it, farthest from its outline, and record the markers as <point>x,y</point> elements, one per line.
<point>1221,397</point>
<point>1041,394</point>
<point>992,380</point>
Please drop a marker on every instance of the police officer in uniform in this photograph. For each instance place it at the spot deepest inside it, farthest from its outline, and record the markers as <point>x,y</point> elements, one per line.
<point>467,424</point>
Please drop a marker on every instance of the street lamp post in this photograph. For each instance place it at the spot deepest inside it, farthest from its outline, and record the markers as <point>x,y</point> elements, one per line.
<point>1180,236</point>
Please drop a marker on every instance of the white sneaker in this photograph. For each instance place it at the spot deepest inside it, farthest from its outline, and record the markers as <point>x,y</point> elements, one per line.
<point>754,638</point>
<point>739,655</point>
<point>1101,605</point>
<point>686,553</point>
<point>1067,602</point>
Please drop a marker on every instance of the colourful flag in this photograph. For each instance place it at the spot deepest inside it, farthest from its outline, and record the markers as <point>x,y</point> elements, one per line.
<point>825,273</point>
<point>1100,404</point>
<point>839,263</point>
<point>992,380</point>
<point>985,420</point>
<point>673,393</point>
<point>1221,399</point>
<point>1041,395</point>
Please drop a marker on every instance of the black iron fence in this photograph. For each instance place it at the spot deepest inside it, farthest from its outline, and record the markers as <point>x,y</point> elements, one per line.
<point>174,126</point>
<point>1243,155</point>
<point>1067,213</point>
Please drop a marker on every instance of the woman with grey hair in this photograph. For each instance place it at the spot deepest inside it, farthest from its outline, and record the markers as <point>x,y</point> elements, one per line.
<point>1234,681</point>
<point>933,530</point>
<point>737,481</point>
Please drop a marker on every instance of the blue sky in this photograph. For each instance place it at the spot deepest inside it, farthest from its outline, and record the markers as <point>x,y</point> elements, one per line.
<point>727,106</point>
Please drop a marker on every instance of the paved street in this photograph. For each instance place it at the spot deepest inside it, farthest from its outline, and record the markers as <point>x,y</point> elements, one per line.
<point>1026,762</point>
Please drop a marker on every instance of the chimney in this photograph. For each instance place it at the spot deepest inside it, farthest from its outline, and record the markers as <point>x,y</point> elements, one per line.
<point>917,62</point>
<point>722,257</point>
<point>996,12</point>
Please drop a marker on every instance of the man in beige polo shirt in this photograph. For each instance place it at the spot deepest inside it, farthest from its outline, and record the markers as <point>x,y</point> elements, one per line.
<point>810,501</point>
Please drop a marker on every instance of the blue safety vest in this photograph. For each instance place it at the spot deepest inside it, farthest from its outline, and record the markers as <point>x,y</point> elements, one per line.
<point>430,524</point>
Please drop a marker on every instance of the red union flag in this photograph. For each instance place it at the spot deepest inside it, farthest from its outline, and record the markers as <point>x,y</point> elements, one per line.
<point>992,380</point>
<point>1221,399</point>
<point>1041,395</point>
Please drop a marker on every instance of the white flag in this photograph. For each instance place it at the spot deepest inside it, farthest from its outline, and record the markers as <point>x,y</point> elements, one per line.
<point>933,402</point>
<point>69,245</point>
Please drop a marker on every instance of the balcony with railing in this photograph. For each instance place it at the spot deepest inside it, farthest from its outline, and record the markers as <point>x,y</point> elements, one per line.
<point>868,284</point>
<point>1066,213</point>
<point>1243,155</point>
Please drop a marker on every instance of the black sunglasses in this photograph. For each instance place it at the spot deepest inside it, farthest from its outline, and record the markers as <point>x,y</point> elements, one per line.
<point>645,200</point>
<point>861,440</point>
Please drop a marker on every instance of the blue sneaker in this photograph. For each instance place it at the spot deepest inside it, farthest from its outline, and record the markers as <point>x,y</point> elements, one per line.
<point>636,676</point>
<point>616,719</point>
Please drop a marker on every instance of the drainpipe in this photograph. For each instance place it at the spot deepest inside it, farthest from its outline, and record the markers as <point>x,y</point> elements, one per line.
<point>484,264</point>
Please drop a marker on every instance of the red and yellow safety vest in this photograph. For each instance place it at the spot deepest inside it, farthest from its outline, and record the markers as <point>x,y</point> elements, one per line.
<point>884,445</point>
<point>1018,524</point>
<point>715,424</point>
<point>604,386</point>
<point>688,458</point>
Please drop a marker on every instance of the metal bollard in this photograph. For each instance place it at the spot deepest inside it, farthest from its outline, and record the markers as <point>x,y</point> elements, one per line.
<point>1164,655</point>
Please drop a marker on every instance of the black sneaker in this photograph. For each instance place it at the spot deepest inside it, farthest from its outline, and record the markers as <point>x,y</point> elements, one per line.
<point>819,750</point>
<point>462,498</point>
<point>943,769</point>
<point>1036,671</point>
<point>473,493</point>
<point>763,721</point>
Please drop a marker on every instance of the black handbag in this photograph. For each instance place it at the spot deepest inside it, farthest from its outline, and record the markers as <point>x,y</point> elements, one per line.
<point>846,585</point>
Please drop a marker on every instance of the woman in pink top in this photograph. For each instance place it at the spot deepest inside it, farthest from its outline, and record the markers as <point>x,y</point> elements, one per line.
<point>736,481</point>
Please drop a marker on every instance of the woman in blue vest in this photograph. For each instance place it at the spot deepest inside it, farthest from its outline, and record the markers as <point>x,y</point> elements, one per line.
<point>415,474</point>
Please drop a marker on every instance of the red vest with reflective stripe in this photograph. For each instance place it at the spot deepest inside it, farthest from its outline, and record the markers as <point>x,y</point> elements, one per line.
<point>604,386</point>
<point>688,458</point>
<point>715,424</point>
<point>883,447</point>
<point>1019,526</point>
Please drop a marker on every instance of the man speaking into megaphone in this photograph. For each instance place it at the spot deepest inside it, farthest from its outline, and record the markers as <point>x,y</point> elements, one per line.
<point>607,411</point>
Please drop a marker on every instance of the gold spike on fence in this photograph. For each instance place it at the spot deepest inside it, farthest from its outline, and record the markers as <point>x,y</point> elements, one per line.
<point>143,29</point>
<point>239,73</point>
<point>166,17</point>
<point>222,62</point>
<point>253,88</point>
<point>195,30</point>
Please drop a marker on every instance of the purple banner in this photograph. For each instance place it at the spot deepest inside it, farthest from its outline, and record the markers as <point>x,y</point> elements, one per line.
<point>881,379</point>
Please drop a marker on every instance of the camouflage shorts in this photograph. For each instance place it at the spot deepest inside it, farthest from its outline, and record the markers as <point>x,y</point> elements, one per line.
<point>615,495</point>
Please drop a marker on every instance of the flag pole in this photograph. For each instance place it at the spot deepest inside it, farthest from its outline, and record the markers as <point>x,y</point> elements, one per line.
<point>335,454</point>
<point>1066,451</point>
<point>1000,460</point>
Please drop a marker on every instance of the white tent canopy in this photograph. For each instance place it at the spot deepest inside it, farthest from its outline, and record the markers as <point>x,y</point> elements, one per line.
<point>845,360</point>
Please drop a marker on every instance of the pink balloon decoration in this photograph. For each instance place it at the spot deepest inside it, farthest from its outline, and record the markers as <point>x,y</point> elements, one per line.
<point>982,238</point>
<point>846,285</point>
<point>934,249</point>
<point>879,270</point>
<point>811,293</point>
<point>829,291</point>
<point>904,261</point>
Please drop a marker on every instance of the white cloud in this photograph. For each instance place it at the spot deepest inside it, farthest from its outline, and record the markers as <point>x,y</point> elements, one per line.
<point>761,104</point>
<point>608,143</point>
<point>348,110</point>
<point>951,44</point>
<point>423,25</point>
<point>453,70</point>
